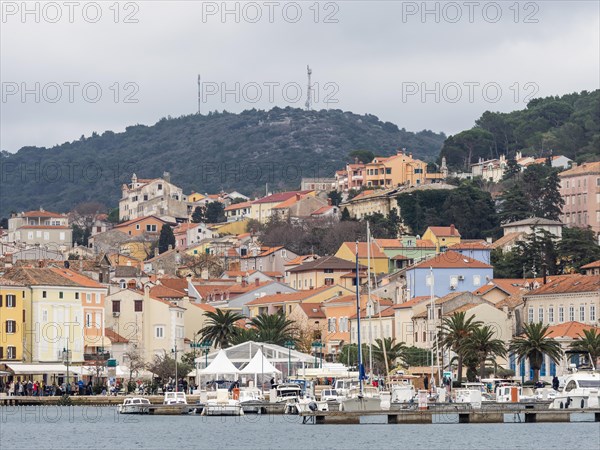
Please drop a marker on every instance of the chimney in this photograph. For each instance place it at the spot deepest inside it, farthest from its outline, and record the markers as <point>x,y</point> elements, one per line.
<point>167,177</point>
<point>452,230</point>
<point>41,263</point>
<point>545,272</point>
<point>297,196</point>
<point>256,282</point>
<point>244,284</point>
<point>488,240</point>
<point>573,164</point>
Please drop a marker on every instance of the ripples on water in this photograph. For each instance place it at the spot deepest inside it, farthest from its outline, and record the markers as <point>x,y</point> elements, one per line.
<point>101,427</point>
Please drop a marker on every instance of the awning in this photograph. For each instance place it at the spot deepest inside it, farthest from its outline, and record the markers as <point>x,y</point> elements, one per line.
<point>97,341</point>
<point>36,369</point>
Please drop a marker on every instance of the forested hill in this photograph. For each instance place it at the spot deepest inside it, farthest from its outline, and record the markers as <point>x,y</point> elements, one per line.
<point>564,125</point>
<point>203,153</point>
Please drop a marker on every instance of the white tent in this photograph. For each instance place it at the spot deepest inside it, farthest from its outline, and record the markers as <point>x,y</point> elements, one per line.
<point>259,364</point>
<point>220,365</point>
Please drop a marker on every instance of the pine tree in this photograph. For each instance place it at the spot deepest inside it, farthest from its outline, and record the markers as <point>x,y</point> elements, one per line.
<point>513,205</point>
<point>512,168</point>
<point>551,200</point>
<point>345,214</point>
<point>166,239</point>
<point>198,215</point>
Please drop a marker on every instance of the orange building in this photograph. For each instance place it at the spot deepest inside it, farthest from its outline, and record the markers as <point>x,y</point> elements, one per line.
<point>137,227</point>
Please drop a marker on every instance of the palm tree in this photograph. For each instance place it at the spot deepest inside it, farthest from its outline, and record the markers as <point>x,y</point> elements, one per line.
<point>454,331</point>
<point>274,328</point>
<point>393,351</point>
<point>243,335</point>
<point>221,327</point>
<point>533,344</point>
<point>482,344</point>
<point>588,343</point>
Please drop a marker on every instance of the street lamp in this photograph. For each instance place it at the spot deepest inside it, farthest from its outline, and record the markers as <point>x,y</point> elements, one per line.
<point>318,345</point>
<point>66,359</point>
<point>290,346</point>
<point>174,350</point>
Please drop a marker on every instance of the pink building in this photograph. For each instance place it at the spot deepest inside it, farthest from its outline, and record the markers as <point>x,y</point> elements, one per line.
<point>580,189</point>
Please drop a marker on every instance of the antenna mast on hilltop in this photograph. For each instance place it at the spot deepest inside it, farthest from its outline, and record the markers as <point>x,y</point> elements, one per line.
<point>199,93</point>
<point>308,90</point>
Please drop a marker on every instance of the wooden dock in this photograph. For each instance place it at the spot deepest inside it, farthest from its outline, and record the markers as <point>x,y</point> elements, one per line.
<point>516,413</point>
<point>83,400</point>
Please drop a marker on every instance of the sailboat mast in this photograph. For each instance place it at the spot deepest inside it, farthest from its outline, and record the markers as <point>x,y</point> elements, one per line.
<point>361,369</point>
<point>369,304</point>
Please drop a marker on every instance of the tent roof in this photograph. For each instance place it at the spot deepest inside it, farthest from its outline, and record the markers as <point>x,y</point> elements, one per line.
<point>243,353</point>
<point>259,364</point>
<point>220,365</point>
<point>33,369</point>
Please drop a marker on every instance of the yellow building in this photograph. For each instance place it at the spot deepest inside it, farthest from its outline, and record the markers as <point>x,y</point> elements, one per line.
<point>370,202</point>
<point>235,228</point>
<point>326,271</point>
<point>13,295</point>
<point>262,209</point>
<point>196,197</point>
<point>284,303</point>
<point>442,237</point>
<point>379,260</point>
<point>397,170</point>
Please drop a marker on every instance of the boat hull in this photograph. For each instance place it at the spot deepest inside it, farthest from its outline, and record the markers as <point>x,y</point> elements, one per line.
<point>361,404</point>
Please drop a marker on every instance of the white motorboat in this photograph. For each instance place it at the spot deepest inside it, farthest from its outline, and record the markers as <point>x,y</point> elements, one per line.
<point>175,398</point>
<point>223,405</point>
<point>582,390</point>
<point>330,395</point>
<point>134,405</point>
<point>370,400</point>
<point>343,385</point>
<point>471,393</point>
<point>250,399</point>
<point>509,393</point>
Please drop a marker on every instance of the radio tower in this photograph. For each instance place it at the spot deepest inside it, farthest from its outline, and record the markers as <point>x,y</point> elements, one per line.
<point>308,90</point>
<point>199,93</point>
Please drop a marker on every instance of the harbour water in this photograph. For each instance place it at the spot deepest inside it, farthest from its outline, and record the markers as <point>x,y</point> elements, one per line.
<point>101,427</point>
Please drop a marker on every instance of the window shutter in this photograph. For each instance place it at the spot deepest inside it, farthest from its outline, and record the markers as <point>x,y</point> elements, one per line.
<point>1,301</point>
<point>1,352</point>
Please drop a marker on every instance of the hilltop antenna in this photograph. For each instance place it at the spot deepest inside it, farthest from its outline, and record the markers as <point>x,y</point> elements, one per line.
<point>199,93</point>
<point>308,89</point>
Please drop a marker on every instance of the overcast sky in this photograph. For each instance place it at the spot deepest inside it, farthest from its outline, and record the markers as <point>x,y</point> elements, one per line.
<point>366,57</point>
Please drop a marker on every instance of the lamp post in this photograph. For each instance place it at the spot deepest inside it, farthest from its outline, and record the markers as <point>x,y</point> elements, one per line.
<point>205,345</point>
<point>66,359</point>
<point>289,345</point>
<point>174,350</point>
<point>318,345</point>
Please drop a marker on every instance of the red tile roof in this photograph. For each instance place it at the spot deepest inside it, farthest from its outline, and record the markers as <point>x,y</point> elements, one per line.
<point>279,197</point>
<point>165,292</point>
<point>327,262</point>
<point>471,245</point>
<point>114,337</point>
<point>177,284</point>
<point>592,265</point>
<point>590,167</point>
<point>567,284</point>
<point>413,301</point>
<point>445,231</point>
<point>312,310</point>
<point>132,221</point>
<point>238,206</point>
<point>362,249</point>
<point>322,210</point>
<point>44,227</point>
<point>203,306</point>
<point>388,243</point>
<point>299,260</point>
<point>82,280</point>
<point>452,259</point>
<point>43,214</point>
<point>288,297</point>
<point>572,330</point>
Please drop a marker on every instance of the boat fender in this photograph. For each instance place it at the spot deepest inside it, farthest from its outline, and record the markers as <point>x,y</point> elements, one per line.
<point>562,405</point>
<point>312,406</point>
<point>582,404</point>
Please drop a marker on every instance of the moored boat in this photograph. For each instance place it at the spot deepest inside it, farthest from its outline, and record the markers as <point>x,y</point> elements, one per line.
<point>134,405</point>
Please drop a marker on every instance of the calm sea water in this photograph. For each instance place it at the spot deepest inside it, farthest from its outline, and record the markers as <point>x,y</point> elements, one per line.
<point>101,427</point>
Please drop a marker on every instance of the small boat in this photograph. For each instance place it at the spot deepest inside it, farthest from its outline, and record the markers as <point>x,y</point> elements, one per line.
<point>582,390</point>
<point>509,393</point>
<point>251,400</point>
<point>175,398</point>
<point>471,393</point>
<point>223,405</point>
<point>331,395</point>
<point>134,405</point>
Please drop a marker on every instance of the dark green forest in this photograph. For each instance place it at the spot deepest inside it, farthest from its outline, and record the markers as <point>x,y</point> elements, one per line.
<point>561,125</point>
<point>204,153</point>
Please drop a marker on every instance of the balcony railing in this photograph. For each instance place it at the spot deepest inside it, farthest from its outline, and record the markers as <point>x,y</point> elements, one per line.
<point>100,356</point>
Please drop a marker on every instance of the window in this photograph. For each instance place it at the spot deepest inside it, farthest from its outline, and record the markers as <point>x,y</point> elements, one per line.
<point>88,320</point>
<point>88,297</point>
<point>61,236</point>
<point>60,295</point>
<point>11,326</point>
<point>38,234</point>
<point>150,227</point>
<point>116,306</point>
<point>540,314</point>
<point>582,313</point>
<point>11,352</point>
<point>454,280</point>
<point>551,314</point>
<point>159,186</point>
<point>530,315</point>
<point>416,337</point>
<point>137,226</point>
<point>137,305</point>
<point>44,294</point>
<point>328,271</point>
<point>97,297</point>
<point>571,313</point>
<point>424,336</point>
<point>561,314</point>
<point>44,315</point>
<point>328,281</point>
<point>76,295</point>
<point>476,280</point>
<point>46,235</point>
<point>159,332</point>
<point>11,301</point>
<point>593,309</point>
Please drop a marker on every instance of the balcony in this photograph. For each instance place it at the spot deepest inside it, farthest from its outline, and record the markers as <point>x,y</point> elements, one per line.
<point>100,356</point>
